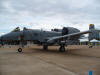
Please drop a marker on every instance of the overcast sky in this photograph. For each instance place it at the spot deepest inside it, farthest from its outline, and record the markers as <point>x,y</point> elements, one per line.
<point>48,14</point>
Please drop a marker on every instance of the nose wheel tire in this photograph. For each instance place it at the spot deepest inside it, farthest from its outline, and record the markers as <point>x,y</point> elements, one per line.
<point>20,50</point>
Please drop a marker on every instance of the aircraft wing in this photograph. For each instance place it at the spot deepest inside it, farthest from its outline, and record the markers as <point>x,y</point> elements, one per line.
<point>71,35</point>
<point>68,36</point>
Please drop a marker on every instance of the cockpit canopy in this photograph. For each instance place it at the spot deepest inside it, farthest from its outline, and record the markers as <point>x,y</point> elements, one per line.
<point>17,29</point>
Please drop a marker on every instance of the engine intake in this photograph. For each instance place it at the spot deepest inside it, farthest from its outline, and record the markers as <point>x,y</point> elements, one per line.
<point>64,31</point>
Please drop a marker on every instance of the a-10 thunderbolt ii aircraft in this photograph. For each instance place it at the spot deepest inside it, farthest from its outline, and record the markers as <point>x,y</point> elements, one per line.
<point>46,38</point>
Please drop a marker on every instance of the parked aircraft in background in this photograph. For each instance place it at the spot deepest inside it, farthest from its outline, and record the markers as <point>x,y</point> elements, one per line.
<point>60,37</point>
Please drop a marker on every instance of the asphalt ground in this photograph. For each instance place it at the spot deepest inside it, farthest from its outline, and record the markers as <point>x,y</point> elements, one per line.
<point>77,60</point>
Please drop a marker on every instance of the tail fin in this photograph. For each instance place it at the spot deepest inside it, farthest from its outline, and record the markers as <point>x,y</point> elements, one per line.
<point>94,34</point>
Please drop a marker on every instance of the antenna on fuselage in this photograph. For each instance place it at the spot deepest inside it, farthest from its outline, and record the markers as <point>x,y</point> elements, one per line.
<point>25,28</point>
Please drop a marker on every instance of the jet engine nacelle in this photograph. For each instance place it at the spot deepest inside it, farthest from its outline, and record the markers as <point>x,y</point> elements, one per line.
<point>65,31</point>
<point>69,30</point>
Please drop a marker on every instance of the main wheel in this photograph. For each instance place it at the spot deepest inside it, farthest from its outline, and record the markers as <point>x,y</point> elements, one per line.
<point>45,47</point>
<point>20,50</point>
<point>62,49</point>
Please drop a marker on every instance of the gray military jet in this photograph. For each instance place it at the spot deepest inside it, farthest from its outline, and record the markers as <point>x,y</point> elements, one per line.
<point>61,37</point>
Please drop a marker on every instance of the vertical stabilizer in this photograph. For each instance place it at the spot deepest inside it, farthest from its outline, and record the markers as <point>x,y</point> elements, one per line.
<point>94,34</point>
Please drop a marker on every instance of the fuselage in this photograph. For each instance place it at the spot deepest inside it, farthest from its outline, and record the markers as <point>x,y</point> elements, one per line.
<point>37,36</point>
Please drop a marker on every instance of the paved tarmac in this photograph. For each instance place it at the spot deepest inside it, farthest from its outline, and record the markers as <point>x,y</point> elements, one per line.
<point>77,60</point>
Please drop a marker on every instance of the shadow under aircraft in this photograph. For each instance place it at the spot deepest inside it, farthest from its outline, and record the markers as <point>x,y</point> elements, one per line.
<point>60,37</point>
